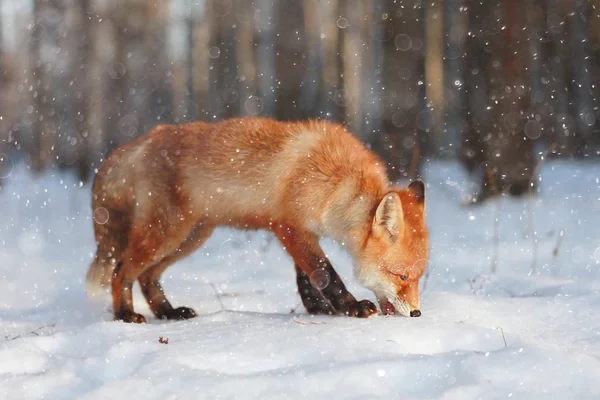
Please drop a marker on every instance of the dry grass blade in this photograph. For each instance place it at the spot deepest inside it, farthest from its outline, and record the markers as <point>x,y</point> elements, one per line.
<point>309,322</point>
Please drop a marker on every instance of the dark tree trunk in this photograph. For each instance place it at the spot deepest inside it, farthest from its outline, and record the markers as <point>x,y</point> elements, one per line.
<point>81,34</point>
<point>472,149</point>
<point>581,87</point>
<point>291,53</point>
<point>559,71</point>
<point>398,29</point>
<point>265,53</point>
<point>223,90</point>
<point>159,83</point>
<point>39,140</point>
<point>509,164</point>
<point>455,81</point>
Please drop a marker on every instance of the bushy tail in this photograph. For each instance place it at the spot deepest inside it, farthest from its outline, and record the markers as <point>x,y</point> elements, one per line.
<point>111,239</point>
<point>98,280</point>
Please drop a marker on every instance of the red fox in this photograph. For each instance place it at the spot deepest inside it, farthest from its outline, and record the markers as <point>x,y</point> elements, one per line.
<point>159,198</point>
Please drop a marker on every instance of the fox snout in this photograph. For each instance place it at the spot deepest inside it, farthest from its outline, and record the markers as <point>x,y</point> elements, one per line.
<point>404,302</point>
<point>410,294</point>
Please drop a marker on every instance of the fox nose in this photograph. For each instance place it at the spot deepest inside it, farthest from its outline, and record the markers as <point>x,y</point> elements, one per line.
<point>415,313</point>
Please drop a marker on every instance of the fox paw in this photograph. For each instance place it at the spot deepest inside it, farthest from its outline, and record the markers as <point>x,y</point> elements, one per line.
<point>130,317</point>
<point>179,313</point>
<point>361,309</point>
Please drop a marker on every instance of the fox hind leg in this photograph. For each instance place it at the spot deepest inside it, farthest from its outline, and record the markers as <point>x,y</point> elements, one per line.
<point>149,280</point>
<point>122,285</point>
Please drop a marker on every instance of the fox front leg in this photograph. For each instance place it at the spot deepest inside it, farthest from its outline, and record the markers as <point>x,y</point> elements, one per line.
<point>312,298</point>
<point>314,269</point>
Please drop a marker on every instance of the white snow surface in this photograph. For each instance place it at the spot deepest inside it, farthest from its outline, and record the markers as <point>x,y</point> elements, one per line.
<point>513,334</point>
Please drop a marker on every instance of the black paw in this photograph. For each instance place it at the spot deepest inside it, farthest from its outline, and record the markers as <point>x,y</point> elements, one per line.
<point>179,313</point>
<point>130,317</point>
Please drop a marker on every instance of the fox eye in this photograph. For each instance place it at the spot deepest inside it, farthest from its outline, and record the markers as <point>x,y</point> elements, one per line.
<point>404,277</point>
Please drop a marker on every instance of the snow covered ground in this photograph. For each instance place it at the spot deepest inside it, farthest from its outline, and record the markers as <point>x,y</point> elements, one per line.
<point>509,335</point>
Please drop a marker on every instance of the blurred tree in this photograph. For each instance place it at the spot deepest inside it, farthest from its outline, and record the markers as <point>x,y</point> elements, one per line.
<point>581,83</point>
<point>4,80</point>
<point>333,22</point>
<point>313,62</point>
<point>223,77</point>
<point>246,14</point>
<point>266,53</point>
<point>199,30</point>
<point>118,126</point>
<point>80,38</point>
<point>558,76</point>
<point>399,121</point>
<point>594,34</point>
<point>290,50</point>
<point>455,34</point>
<point>4,109</point>
<point>434,76</point>
<point>47,18</point>
<point>355,58</point>
<point>158,85</point>
<point>508,163</point>
<point>472,152</point>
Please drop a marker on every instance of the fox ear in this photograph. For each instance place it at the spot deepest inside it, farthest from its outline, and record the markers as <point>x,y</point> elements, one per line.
<point>417,188</point>
<point>389,217</point>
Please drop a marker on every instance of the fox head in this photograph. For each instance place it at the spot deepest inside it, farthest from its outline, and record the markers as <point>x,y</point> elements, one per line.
<point>396,250</point>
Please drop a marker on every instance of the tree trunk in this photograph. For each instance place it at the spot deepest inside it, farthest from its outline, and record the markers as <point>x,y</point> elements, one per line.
<point>455,33</point>
<point>265,39</point>
<point>80,35</point>
<point>246,15</point>
<point>354,68</point>
<point>223,89</point>
<point>313,62</point>
<point>43,131</point>
<point>581,84</point>
<point>199,105</point>
<point>509,164</point>
<point>291,52</point>
<point>560,52</point>
<point>334,95</point>
<point>472,149</point>
<point>398,79</point>
<point>160,89</point>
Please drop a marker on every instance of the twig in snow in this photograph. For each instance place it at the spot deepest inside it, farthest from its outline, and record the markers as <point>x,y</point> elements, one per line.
<point>293,309</point>
<point>33,332</point>
<point>163,340</point>
<point>218,296</point>
<point>555,251</point>
<point>309,322</point>
<point>558,243</point>
<point>503,337</point>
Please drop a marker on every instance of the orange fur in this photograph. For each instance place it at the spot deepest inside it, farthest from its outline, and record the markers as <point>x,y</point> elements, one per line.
<point>166,191</point>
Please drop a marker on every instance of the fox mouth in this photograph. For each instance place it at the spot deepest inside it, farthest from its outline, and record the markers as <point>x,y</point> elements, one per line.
<point>396,306</point>
<point>386,307</point>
